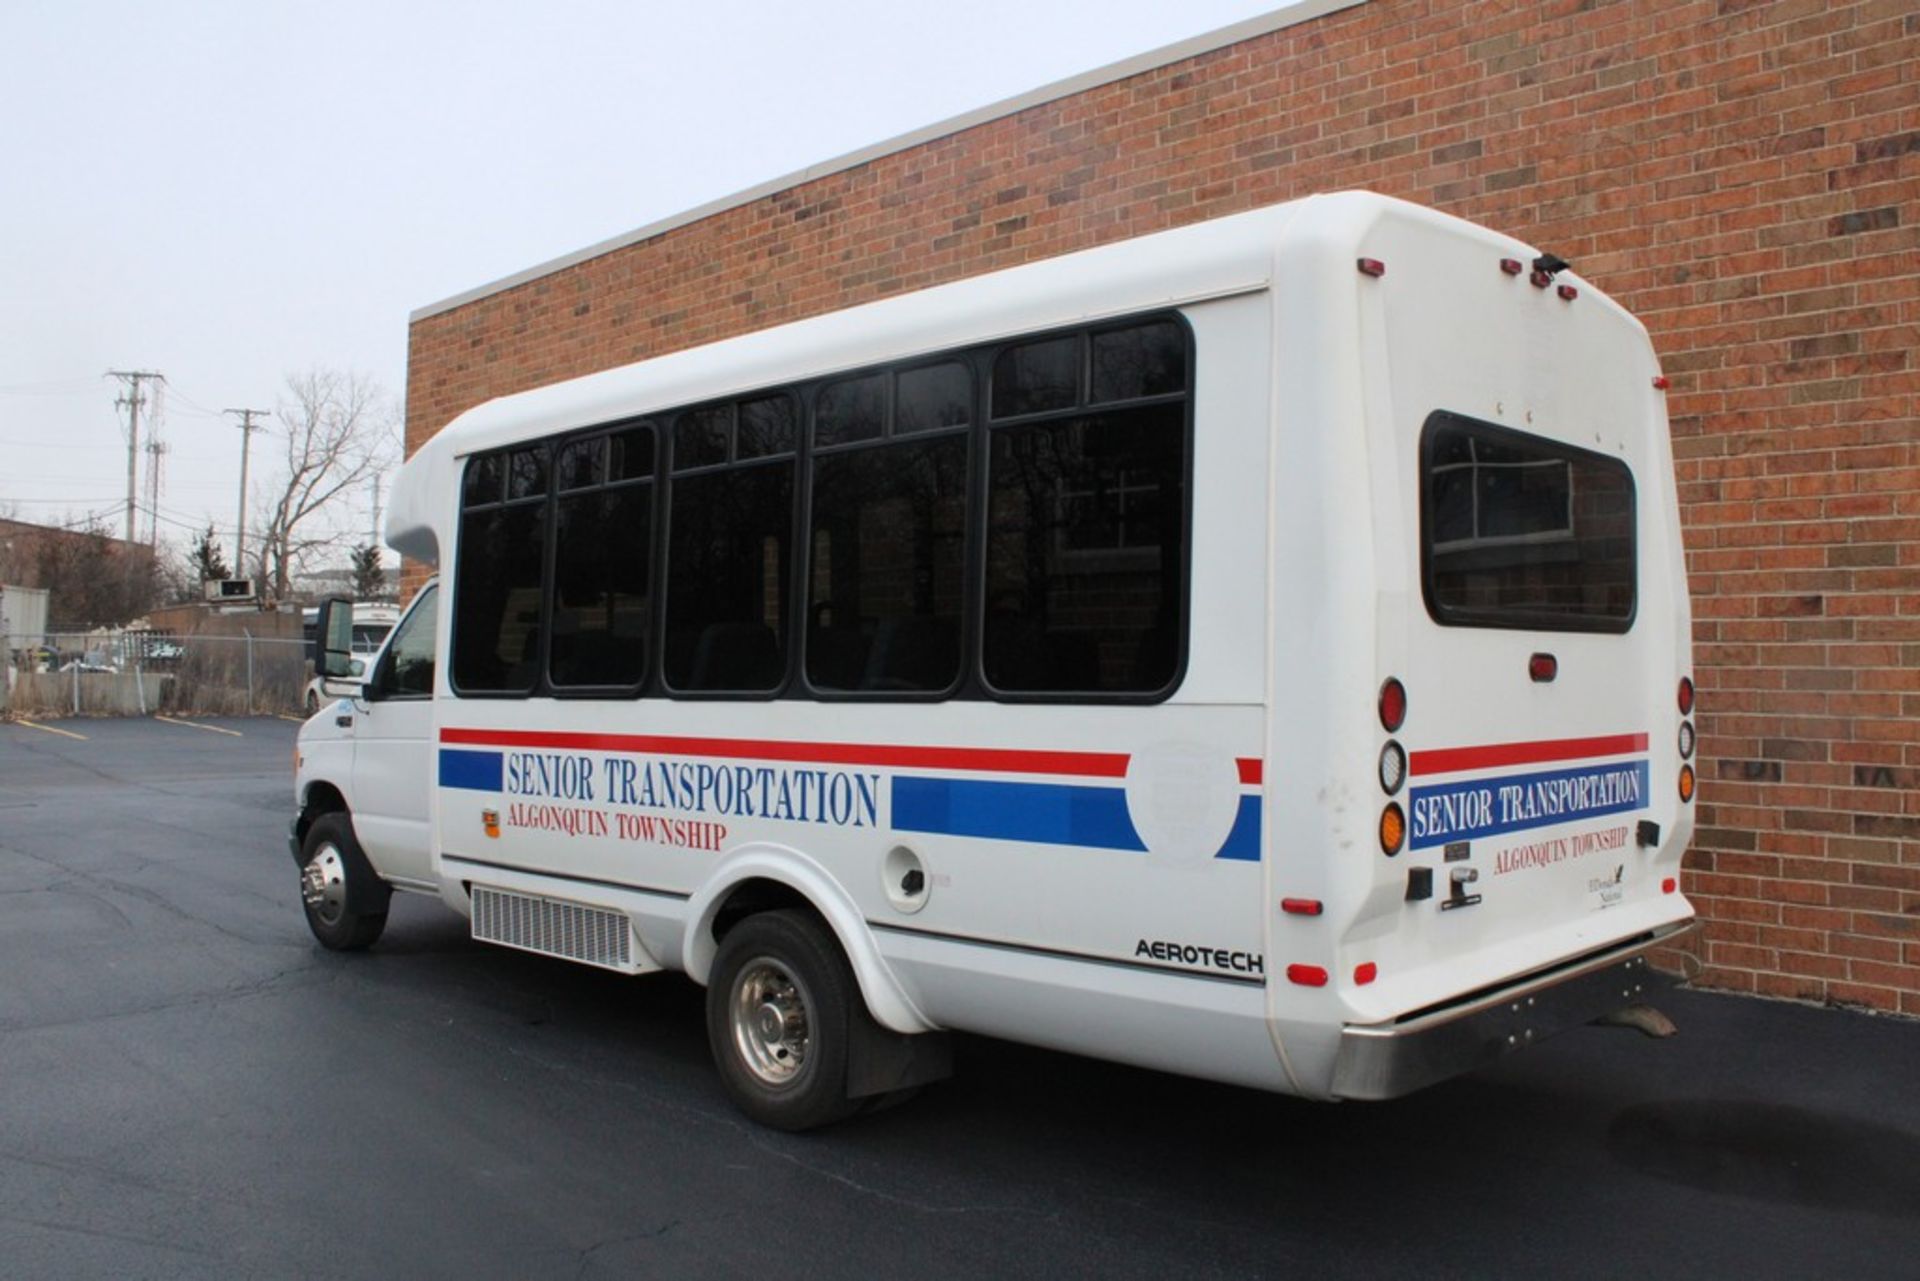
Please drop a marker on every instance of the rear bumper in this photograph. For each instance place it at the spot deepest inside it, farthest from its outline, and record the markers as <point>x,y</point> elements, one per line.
<point>1384,1061</point>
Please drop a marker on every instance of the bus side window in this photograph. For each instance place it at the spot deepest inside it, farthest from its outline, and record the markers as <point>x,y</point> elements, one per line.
<point>888,539</point>
<point>1087,516</point>
<point>498,575</point>
<point>603,562</point>
<point>730,549</point>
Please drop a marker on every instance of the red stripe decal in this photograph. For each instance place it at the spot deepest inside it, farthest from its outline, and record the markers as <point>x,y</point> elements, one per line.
<point>1451,760</point>
<point>1003,760</point>
<point>1084,764</point>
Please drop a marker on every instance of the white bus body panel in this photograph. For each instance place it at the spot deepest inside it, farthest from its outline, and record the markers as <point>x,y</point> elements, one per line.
<point>1254,782</point>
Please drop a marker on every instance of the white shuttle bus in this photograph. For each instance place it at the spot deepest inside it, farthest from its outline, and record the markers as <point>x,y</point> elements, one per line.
<point>1257,650</point>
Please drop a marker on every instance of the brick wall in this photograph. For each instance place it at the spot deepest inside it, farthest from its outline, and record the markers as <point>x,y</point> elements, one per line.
<point>1744,175</point>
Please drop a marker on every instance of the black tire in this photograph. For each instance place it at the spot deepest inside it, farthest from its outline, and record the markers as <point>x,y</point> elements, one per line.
<point>344,898</point>
<point>779,1005</point>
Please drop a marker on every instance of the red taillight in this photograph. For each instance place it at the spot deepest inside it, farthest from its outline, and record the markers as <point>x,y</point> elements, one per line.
<point>1686,696</point>
<point>1393,705</point>
<point>1372,267</point>
<point>1543,668</point>
<point>1669,885</point>
<point>1307,975</point>
<point>1661,382</point>
<point>1301,906</point>
<point>1512,266</point>
<point>1365,974</point>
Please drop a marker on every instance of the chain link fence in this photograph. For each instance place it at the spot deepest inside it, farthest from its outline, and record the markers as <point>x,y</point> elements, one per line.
<point>116,673</point>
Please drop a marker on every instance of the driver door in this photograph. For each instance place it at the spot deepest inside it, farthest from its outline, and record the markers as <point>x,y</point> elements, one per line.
<point>392,784</point>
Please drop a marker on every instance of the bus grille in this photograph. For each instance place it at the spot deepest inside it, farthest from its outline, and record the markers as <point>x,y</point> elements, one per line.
<point>574,931</point>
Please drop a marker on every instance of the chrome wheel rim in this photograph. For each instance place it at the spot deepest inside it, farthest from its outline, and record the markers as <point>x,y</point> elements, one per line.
<point>771,1028</point>
<point>323,885</point>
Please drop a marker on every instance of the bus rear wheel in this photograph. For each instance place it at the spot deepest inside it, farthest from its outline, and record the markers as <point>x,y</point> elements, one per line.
<point>345,899</point>
<point>779,1007</point>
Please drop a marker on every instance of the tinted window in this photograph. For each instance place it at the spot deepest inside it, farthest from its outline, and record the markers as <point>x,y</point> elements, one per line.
<point>1139,361</point>
<point>849,410</point>
<point>1037,376</point>
<point>630,453</point>
<point>1520,531</point>
<point>729,560</point>
<point>410,657</point>
<point>766,427</point>
<point>582,463</point>
<point>700,438</point>
<point>496,632</point>
<point>527,473</point>
<point>603,560</point>
<point>888,553</point>
<point>932,397</point>
<point>485,480</point>
<point>1086,552</point>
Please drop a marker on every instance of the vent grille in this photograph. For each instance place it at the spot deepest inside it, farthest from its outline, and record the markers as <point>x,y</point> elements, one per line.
<point>590,935</point>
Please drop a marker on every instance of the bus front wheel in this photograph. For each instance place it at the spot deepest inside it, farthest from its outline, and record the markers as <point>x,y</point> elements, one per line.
<point>344,898</point>
<point>779,1008</point>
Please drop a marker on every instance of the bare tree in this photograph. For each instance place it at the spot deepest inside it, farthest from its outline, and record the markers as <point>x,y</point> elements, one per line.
<point>341,428</point>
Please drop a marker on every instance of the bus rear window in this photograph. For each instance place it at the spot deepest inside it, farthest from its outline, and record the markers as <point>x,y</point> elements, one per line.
<point>1523,532</point>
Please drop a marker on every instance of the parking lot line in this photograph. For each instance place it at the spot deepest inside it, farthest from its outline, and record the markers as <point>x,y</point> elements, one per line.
<point>64,733</point>
<point>211,729</point>
<point>297,720</point>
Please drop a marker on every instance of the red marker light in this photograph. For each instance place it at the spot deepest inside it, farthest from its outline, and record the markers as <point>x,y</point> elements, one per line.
<point>1365,974</point>
<point>1686,696</point>
<point>1372,267</point>
<point>1540,279</point>
<point>1512,266</point>
<point>1661,382</point>
<point>1307,975</point>
<point>1301,906</point>
<point>1568,292</point>
<point>1393,705</point>
<point>1542,668</point>
<point>1669,885</point>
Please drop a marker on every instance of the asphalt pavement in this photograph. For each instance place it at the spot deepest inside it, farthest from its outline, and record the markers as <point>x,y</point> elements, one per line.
<point>191,1087</point>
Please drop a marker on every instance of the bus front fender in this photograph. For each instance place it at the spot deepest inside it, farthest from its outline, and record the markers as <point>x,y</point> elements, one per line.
<point>794,871</point>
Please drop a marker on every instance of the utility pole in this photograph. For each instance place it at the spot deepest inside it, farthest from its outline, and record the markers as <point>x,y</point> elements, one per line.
<point>246,437</point>
<point>374,537</point>
<point>133,400</point>
<point>156,460</point>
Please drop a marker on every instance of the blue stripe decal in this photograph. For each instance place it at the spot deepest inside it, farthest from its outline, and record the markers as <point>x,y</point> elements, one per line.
<point>474,771</point>
<point>1243,842</point>
<point>1516,802</point>
<point>1045,813</point>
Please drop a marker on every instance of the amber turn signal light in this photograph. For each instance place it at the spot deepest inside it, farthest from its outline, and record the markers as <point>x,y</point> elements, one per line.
<point>1393,830</point>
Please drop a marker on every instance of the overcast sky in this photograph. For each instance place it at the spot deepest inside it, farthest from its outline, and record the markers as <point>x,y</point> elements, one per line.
<point>228,192</point>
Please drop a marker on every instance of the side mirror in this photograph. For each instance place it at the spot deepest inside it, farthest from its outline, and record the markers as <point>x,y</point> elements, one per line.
<point>333,638</point>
